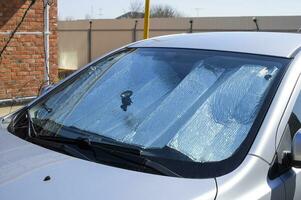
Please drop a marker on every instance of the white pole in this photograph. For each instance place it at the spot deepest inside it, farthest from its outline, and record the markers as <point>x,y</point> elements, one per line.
<point>46,40</point>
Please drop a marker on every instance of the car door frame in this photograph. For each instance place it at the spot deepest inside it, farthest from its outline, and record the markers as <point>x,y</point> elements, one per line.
<point>291,177</point>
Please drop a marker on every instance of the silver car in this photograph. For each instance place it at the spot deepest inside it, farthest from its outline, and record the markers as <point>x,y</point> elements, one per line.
<point>191,116</point>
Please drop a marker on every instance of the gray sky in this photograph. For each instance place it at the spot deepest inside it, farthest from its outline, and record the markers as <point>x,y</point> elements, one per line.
<point>78,9</point>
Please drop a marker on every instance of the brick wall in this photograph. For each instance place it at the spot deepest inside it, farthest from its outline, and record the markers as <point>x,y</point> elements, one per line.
<point>22,63</point>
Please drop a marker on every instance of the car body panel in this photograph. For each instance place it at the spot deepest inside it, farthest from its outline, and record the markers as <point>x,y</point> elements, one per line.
<point>23,166</point>
<point>19,157</point>
<point>263,43</point>
<point>292,178</point>
<point>250,182</point>
<point>276,118</point>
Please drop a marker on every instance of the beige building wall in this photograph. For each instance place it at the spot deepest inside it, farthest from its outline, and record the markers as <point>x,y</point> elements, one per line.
<point>109,34</point>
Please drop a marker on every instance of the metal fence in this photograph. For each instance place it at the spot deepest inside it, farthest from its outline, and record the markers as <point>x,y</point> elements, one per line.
<point>83,40</point>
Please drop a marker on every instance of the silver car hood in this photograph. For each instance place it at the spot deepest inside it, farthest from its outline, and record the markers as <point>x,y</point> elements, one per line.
<point>23,167</point>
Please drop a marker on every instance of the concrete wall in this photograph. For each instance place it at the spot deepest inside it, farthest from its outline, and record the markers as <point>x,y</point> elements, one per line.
<point>108,34</point>
<point>22,62</point>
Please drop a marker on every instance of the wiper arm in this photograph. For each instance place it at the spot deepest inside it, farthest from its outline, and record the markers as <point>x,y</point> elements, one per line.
<point>132,154</point>
<point>61,144</point>
<point>127,152</point>
<point>160,168</point>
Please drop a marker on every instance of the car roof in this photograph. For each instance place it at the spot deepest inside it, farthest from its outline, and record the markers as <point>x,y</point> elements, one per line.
<point>263,43</point>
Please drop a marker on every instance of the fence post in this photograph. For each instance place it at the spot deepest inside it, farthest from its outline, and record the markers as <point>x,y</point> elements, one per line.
<point>90,41</point>
<point>256,23</point>
<point>135,31</point>
<point>191,26</point>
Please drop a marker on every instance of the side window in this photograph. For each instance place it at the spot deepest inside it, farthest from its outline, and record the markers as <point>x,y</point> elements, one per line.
<point>281,162</point>
<point>295,118</point>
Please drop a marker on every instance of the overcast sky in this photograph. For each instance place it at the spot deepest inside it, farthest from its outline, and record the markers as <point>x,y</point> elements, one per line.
<point>78,9</point>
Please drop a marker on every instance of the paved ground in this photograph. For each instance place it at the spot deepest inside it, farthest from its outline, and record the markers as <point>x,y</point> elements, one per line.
<point>6,110</point>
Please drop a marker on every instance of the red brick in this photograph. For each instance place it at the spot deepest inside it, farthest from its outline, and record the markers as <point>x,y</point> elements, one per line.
<point>22,63</point>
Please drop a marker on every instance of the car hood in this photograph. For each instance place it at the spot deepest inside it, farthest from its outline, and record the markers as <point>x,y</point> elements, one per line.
<point>24,167</point>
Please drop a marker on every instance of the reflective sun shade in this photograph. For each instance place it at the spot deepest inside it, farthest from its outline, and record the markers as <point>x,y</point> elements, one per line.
<point>200,103</point>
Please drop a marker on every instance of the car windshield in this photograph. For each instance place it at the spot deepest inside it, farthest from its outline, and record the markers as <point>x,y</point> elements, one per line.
<point>199,103</point>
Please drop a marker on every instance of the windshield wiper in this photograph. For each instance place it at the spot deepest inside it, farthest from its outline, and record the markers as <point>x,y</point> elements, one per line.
<point>129,153</point>
<point>61,145</point>
<point>135,155</point>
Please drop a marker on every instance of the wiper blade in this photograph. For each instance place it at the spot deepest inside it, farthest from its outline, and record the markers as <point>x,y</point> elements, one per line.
<point>135,155</point>
<point>61,144</point>
<point>127,152</point>
<point>132,154</point>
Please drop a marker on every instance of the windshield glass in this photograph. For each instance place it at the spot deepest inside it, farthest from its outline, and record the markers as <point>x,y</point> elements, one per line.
<point>200,103</point>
